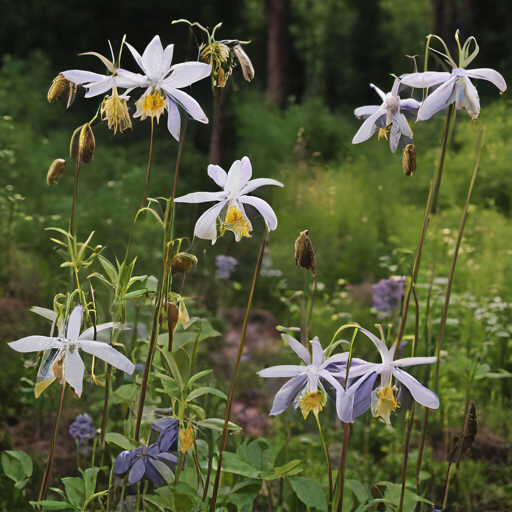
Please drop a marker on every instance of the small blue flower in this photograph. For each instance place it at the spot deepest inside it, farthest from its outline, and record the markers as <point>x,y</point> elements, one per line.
<point>82,428</point>
<point>168,429</point>
<point>225,266</point>
<point>388,294</point>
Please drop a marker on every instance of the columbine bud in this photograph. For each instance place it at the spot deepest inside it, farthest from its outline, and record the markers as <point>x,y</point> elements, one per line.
<point>304,253</point>
<point>59,87</point>
<point>173,314</point>
<point>114,110</point>
<point>83,144</point>
<point>409,160</point>
<point>183,262</point>
<point>186,438</point>
<point>55,171</point>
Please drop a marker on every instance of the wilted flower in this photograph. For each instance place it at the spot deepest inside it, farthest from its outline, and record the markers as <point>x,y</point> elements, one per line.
<point>146,462</point>
<point>235,185</point>
<point>60,86</point>
<point>114,110</point>
<point>456,86</point>
<point>163,83</point>
<point>82,428</point>
<point>304,253</point>
<point>55,171</point>
<point>186,438</point>
<point>389,118</point>
<point>306,386</point>
<point>64,361</point>
<point>83,144</point>
<point>168,429</point>
<point>225,265</point>
<point>388,294</point>
<point>409,160</point>
<point>359,396</point>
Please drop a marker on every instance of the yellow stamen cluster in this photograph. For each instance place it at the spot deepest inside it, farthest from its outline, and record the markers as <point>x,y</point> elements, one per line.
<point>114,110</point>
<point>237,223</point>
<point>384,402</point>
<point>152,105</point>
<point>217,54</point>
<point>383,134</point>
<point>312,402</point>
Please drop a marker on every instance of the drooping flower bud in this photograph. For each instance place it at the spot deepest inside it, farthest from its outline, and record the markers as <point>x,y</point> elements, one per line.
<point>186,438</point>
<point>409,160</point>
<point>173,314</point>
<point>304,253</point>
<point>183,262</point>
<point>114,110</point>
<point>55,171</point>
<point>83,144</point>
<point>60,86</point>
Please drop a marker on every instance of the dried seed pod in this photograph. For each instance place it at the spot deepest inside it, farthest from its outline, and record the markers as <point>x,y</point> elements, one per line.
<point>183,262</point>
<point>83,144</point>
<point>55,171</point>
<point>304,253</point>
<point>173,314</point>
<point>245,62</point>
<point>60,86</point>
<point>409,160</point>
<point>114,110</point>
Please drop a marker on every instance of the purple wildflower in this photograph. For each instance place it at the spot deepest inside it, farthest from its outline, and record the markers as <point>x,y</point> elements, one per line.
<point>388,294</point>
<point>225,265</point>
<point>168,429</point>
<point>82,428</point>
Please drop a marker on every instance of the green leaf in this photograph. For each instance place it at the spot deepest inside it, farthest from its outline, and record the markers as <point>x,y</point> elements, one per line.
<point>119,440</point>
<point>90,476</point>
<point>309,492</point>
<point>361,492</point>
<point>109,269</point>
<point>75,490</point>
<point>124,393</point>
<point>17,466</point>
<point>198,376</point>
<point>52,505</point>
<point>218,425</point>
<point>258,453</point>
<point>174,368</point>
<point>292,468</point>
<point>233,464</point>
<point>243,498</point>
<point>203,391</point>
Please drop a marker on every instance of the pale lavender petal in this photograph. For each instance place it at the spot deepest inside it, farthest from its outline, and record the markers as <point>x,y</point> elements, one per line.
<point>396,87</point>
<point>394,133</point>
<point>264,208</point>
<point>34,344</point>
<point>187,102</point>
<point>409,104</point>
<point>259,182</point>
<point>287,393</point>
<point>74,370</point>
<point>340,392</point>
<point>438,100</point>
<point>136,55</point>
<point>187,73</point>
<point>368,128</point>
<point>488,74</point>
<point>414,361</point>
<point>313,382</point>
<point>363,368</point>
<point>173,119</point>
<point>152,59</point>
<point>137,471</point>
<point>419,392</point>
<point>423,80</point>
<point>167,58</point>
<point>233,178</point>
<point>356,399</point>
<point>88,334</point>
<point>381,346</point>
<point>201,197</point>
<point>403,124</point>
<point>471,101</point>
<point>217,174</point>
<point>98,88</point>
<point>206,225</point>
<point>318,353</point>
<point>74,323</point>
<point>127,79</point>
<point>362,398</point>
<point>245,172</point>
<point>379,92</point>
<point>366,111</point>
<point>79,77</point>
<point>298,348</point>
<point>108,354</point>
<point>335,359</point>
<point>285,370</point>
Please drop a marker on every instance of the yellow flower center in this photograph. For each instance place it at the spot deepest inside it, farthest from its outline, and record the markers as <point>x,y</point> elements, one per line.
<point>383,134</point>
<point>384,402</point>
<point>152,105</point>
<point>312,402</point>
<point>237,223</point>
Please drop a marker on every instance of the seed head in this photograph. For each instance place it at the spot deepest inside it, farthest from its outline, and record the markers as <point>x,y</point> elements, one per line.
<point>83,144</point>
<point>304,253</point>
<point>114,110</point>
<point>409,160</point>
<point>59,87</point>
<point>183,262</point>
<point>55,171</point>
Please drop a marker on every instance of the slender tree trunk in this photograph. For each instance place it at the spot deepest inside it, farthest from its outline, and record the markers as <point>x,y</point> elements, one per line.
<point>278,59</point>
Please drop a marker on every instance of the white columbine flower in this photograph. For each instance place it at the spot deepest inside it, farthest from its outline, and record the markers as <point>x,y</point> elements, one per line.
<point>359,396</point>
<point>306,380</point>
<point>163,83</point>
<point>235,186</point>
<point>68,364</point>
<point>387,118</point>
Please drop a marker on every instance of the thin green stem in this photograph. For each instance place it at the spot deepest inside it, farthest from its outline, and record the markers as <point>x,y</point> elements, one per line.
<point>145,197</point>
<point>224,438</point>
<point>326,452</point>
<point>312,300</point>
<point>340,483</point>
<point>75,193</point>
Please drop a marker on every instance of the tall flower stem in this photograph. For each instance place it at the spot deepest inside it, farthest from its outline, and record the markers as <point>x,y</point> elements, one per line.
<point>145,197</point>
<point>75,193</point>
<point>340,483</point>
<point>48,471</point>
<point>326,452</point>
<point>224,438</point>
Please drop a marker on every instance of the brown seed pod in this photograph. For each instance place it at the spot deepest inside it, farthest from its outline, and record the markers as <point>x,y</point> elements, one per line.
<point>59,87</point>
<point>304,253</point>
<point>183,262</point>
<point>409,160</point>
<point>55,171</point>
<point>83,144</point>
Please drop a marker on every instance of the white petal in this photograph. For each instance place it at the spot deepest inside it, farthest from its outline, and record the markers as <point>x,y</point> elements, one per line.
<point>126,79</point>
<point>201,197</point>
<point>366,111</point>
<point>364,368</point>
<point>74,323</point>
<point>318,353</point>
<point>34,344</point>
<point>99,87</point>
<point>285,370</point>
<point>108,354</point>
<point>74,370</point>
<point>419,392</point>
<point>187,102</point>
<point>82,77</point>
<point>217,174</point>
<point>414,361</point>
<point>298,348</point>
<point>173,120</point>
<point>187,73</point>
<point>345,406</point>
<point>403,124</point>
<point>88,334</point>
<point>336,358</point>
<point>409,104</point>
<point>396,86</point>
<point>264,208</point>
<point>381,346</point>
<point>394,134</point>
<point>379,92</point>
<point>246,172</point>
<point>136,55</point>
<point>285,395</point>
<point>152,59</point>
<point>206,225</point>
<point>259,182</point>
<point>438,100</point>
<point>233,179</point>
<point>167,57</point>
<point>423,80</point>
<point>488,74</point>
<point>471,100</point>
<point>368,128</point>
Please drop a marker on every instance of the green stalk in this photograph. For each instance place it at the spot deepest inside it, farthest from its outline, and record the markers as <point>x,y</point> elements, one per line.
<point>341,472</point>
<point>326,452</point>
<point>235,374</point>
<point>145,197</point>
<point>75,192</point>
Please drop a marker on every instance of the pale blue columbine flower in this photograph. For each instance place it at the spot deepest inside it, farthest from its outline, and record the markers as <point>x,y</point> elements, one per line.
<point>359,396</point>
<point>225,266</point>
<point>82,428</point>
<point>306,380</point>
<point>66,348</point>
<point>388,294</point>
<point>235,184</point>
<point>388,118</point>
